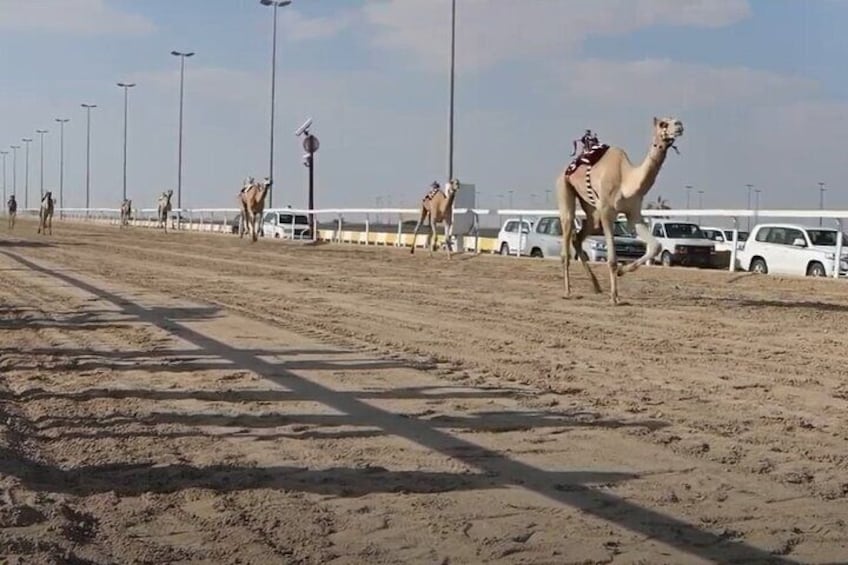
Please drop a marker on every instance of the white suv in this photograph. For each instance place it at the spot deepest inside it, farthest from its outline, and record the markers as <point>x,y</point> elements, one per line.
<point>683,243</point>
<point>792,249</point>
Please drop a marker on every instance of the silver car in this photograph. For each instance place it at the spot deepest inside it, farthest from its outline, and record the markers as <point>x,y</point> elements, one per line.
<point>545,240</point>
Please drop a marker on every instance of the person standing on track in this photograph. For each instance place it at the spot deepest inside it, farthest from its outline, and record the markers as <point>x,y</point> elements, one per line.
<point>12,206</point>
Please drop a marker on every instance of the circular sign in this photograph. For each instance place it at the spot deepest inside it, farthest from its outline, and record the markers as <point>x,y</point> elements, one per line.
<point>310,144</point>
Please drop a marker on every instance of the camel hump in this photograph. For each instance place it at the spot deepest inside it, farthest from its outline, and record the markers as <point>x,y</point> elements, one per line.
<point>590,158</point>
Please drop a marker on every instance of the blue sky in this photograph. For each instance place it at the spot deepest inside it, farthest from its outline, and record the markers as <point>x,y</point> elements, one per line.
<point>758,84</point>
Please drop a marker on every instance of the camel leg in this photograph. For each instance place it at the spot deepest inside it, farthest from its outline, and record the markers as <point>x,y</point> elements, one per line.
<point>448,235</point>
<point>608,221</point>
<point>579,237</point>
<point>566,202</point>
<point>643,232</point>
<point>431,237</point>
<point>421,219</point>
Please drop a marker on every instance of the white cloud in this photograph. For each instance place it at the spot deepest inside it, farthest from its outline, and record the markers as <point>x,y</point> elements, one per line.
<point>663,83</point>
<point>82,17</point>
<point>297,27</point>
<point>488,32</point>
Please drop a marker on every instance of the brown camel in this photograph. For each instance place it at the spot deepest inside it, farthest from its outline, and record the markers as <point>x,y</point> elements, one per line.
<point>610,185</point>
<point>437,206</point>
<point>45,214</point>
<point>252,203</point>
<point>126,211</point>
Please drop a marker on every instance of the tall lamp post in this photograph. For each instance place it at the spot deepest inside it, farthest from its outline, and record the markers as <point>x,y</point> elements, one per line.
<point>750,187</point>
<point>452,79</point>
<point>61,122</point>
<point>822,190</point>
<point>182,57</point>
<point>688,191</point>
<point>700,204</point>
<point>126,86</point>
<point>41,133</point>
<point>88,108</point>
<point>757,204</point>
<point>27,141</point>
<point>14,149</point>
<point>275,4</point>
<point>3,155</point>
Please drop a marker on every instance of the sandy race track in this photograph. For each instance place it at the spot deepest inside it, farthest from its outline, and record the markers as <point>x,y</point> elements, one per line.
<point>189,398</point>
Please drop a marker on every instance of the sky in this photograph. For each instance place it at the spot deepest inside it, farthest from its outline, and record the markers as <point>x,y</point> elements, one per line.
<point>758,84</point>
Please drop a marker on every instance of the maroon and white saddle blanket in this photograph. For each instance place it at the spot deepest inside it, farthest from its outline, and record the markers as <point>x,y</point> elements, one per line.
<point>587,158</point>
<point>433,192</point>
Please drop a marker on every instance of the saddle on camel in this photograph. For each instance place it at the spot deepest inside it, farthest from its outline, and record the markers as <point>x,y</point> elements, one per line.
<point>592,151</point>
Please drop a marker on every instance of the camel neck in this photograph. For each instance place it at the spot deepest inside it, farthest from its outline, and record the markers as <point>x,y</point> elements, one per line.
<point>647,171</point>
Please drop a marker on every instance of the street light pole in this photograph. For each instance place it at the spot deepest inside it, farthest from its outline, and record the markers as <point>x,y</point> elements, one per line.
<point>61,122</point>
<point>126,86</point>
<point>27,141</point>
<point>452,79</point>
<point>88,108</point>
<point>3,155</point>
<point>750,187</point>
<point>822,190</point>
<point>700,204</point>
<point>275,4</point>
<point>41,133</point>
<point>688,191</point>
<point>15,169</point>
<point>757,204</point>
<point>182,57</point>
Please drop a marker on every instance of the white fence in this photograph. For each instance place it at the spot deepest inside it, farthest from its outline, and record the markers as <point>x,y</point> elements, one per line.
<point>221,219</point>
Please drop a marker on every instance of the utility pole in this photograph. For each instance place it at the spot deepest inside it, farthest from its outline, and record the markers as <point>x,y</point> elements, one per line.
<point>822,190</point>
<point>27,141</point>
<point>688,191</point>
<point>88,108</point>
<point>750,187</point>
<point>3,155</point>
<point>61,122</point>
<point>14,149</point>
<point>275,4</point>
<point>182,57</point>
<point>41,133</point>
<point>452,80</point>
<point>126,86</point>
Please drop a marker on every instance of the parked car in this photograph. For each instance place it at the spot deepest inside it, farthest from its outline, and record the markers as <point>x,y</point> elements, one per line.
<point>792,249</point>
<point>723,239</point>
<point>286,225</point>
<point>543,238</point>
<point>683,243</point>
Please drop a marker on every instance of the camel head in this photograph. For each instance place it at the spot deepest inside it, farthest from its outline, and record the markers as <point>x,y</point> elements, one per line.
<point>48,196</point>
<point>452,188</point>
<point>667,130</point>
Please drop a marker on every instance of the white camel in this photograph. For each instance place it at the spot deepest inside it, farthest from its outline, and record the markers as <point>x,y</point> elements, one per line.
<point>610,185</point>
<point>45,214</point>
<point>164,208</point>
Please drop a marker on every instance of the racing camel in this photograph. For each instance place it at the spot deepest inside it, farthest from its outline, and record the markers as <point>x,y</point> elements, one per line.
<point>45,214</point>
<point>164,208</point>
<point>437,206</point>
<point>252,203</point>
<point>606,183</point>
<point>126,212</point>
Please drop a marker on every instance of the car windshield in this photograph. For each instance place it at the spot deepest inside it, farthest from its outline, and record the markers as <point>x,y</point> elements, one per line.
<point>298,219</point>
<point>620,229</point>
<point>683,231</point>
<point>826,237</point>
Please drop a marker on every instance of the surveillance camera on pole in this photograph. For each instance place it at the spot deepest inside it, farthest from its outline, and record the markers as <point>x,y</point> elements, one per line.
<point>303,129</point>
<point>310,145</point>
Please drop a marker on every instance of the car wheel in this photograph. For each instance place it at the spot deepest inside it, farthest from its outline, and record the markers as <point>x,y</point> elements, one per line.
<point>504,249</point>
<point>536,252</point>
<point>759,266</point>
<point>666,259</point>
<point>815,270</point>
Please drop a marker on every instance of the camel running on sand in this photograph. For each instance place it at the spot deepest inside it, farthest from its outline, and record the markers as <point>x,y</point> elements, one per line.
<point>164,208</point>
<point>252,203</point>
<point>437,206</point>
<point>605,188</point>
<point>45,214</point>
<point>12,206</point>
<point>126,211</point>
